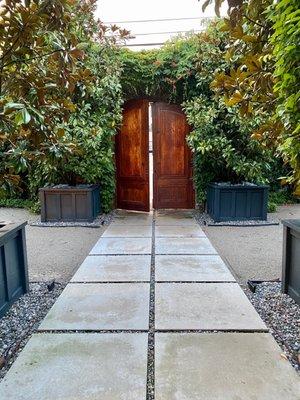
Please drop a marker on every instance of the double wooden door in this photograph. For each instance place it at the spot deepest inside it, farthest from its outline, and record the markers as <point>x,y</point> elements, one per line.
<point>172,161</point>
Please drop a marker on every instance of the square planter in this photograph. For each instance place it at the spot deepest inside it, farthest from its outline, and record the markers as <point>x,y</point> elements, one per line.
<point>64,203</point>
<point>291,258</point>
<point>228,202</point>
<point>13,264</point>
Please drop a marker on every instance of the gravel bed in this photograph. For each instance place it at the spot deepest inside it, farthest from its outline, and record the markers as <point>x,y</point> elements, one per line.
<point>102,219</point>
<point>281,315</point>
<point>151,339</point>
<point>205,219</point>
<point>22,320</point>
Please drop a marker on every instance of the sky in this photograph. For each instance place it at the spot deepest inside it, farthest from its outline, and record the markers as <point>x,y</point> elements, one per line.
<point>119,11</point>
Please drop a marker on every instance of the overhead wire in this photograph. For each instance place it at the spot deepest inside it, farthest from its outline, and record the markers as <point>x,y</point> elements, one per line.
<point>157,20</point>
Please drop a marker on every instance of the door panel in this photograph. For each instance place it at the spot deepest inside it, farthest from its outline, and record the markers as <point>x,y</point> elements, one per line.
<point>173,185</point>
<point>132,157</point>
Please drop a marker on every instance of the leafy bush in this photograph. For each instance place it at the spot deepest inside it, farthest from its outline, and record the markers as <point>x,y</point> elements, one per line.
<point>285,39</point>
<point>284,196</point>
<point>137,78</point>
<point>59,96</point>
<point>272,207</point>
<point>222,146</point>
<point>89,130</point>
<point>279,198</point>
<point>20,203</point>
<point>263,79</point>
<point>178,71</point>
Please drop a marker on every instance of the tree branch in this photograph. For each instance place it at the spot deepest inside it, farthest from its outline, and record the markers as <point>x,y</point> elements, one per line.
<point>32,58</point>
<point>253,22</point>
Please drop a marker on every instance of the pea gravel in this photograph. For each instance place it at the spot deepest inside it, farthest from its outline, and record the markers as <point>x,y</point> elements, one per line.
<point>281,315</point>
<point>101,220</point>
<point>22,320</point>
<point>205,219</point>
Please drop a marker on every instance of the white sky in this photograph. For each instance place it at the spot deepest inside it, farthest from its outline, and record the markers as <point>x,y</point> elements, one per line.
<point>133,10</point>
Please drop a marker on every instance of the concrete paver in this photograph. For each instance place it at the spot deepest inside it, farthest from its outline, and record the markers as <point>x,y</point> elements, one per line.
<point>172,220</point>
<point>133,218</point>
<point>175,213</point>
<point>122,246</point>
<point>207,306</point>
<point>191,268</point>
<point>179,231</point>
<point>119,231</point>
<point>79,366</point>
<point>188,365</point>
<point>222,366</point>
<point>114,269</point>
<point>175,218</point>
<point>100,307</point>
<point>184,245</point>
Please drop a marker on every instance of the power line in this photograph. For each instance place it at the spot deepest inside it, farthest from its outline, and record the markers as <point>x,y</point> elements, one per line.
<point>142,44</point>
<point>133,35</point>
<point>158,20</point>
<point>165,33</point>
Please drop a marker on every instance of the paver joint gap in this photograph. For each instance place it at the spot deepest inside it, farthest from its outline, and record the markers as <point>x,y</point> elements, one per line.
<point>150,392</point>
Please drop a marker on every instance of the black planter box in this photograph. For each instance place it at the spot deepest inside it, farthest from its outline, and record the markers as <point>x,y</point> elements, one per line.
<point>291,258</point>
<point>13,264</point>
<point>226,202</point>
<point>63,203</point>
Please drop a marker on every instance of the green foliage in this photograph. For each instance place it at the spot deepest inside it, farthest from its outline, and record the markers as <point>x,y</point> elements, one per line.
<point>263,80</point>
<point>279,198</point>
<point>38,68</point>
<point>272,207</point>
<point>176,72</point>
<point>90,130</point>
<point>286,39</point>
<point>137,78</point>
<point>249,81</point>
<point>59,96</point>
<point>222,145</point>
<point>283,196</point>
<point>20,203</point>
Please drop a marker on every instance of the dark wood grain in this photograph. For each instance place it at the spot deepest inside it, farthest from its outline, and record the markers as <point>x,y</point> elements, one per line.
<point>132,157</point>
<point>173,185</point>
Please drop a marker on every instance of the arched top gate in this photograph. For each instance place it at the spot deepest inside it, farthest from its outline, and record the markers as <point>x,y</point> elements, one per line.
<point>172,160</point>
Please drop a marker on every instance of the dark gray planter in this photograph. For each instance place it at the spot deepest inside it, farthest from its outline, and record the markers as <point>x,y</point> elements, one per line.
<point>13,264</point>
<point>291,258</point>
<point>226,202</point>
<point>63,203</point>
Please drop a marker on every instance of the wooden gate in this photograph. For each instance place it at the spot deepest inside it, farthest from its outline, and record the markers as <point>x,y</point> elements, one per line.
<point>172,177</point>
<point>132,157</point>
<point>173,185</point>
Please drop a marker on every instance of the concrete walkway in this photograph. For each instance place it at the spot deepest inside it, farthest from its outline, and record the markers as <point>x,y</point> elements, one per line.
<point>152,313</point>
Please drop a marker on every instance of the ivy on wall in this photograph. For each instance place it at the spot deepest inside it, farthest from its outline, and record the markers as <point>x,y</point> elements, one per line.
<point>182,72</point>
